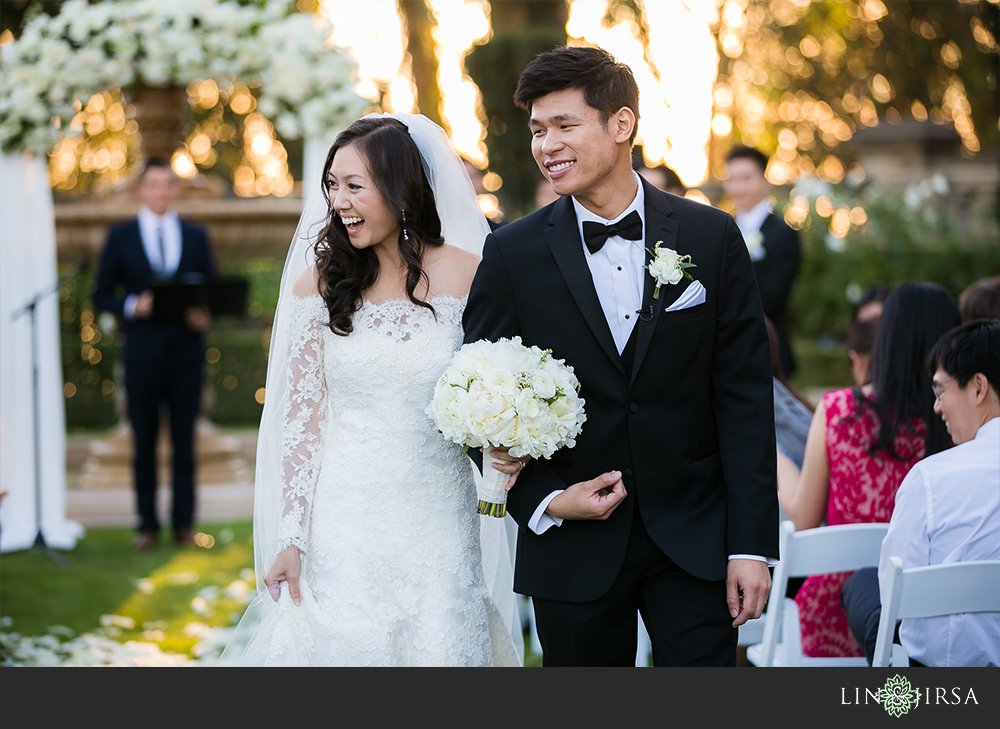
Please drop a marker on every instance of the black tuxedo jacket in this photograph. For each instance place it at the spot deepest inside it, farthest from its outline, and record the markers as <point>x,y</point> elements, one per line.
<point>124,269</point>
<point>775,275</point>
<point>691,426</point>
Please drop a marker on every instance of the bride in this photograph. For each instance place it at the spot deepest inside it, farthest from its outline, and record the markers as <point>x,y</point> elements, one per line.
<point>367,546</point>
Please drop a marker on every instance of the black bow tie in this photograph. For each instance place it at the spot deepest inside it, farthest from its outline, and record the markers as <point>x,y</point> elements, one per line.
<point>596,234</point>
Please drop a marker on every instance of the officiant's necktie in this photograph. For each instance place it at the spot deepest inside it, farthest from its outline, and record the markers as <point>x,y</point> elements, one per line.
<point>163,250</point>
<point>595,235</point>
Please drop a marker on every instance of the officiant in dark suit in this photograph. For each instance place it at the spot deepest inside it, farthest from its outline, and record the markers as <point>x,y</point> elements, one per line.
<point>163,359</point>
<point>773,244</point>
<point>667,505</point>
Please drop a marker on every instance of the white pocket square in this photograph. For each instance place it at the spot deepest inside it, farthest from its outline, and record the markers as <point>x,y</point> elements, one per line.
<point>692,296</point>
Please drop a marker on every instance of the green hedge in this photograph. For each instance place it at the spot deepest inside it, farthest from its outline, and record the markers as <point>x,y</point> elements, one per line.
<point>236,354</point>
<point>896,244</point>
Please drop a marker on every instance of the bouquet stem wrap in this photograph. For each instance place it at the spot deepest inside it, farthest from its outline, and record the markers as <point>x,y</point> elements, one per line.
<point>492,494</point>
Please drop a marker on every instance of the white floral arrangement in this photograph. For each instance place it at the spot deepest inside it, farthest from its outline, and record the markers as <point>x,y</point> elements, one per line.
<point>504,394</point>
<point>59,62</point>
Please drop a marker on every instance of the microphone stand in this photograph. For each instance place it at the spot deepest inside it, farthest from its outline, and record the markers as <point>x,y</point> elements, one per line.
<point>29,309</point>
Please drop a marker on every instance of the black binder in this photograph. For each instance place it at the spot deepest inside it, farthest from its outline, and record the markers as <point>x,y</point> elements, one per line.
<point>225,296</point>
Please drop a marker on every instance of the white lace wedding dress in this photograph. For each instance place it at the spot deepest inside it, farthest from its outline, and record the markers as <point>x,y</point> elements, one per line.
<point>382,507</point>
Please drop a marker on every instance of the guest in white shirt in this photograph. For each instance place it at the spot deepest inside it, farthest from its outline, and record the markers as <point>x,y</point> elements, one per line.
<point>948,506</point>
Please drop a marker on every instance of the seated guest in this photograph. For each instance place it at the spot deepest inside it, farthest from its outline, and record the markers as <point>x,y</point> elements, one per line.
<point>861,443</point>
<point>947,508</point>
<point>981,300</point>
<point>861,337</point>
<point>860,341</point>
<point>869,306</point>
<point>792,411</point>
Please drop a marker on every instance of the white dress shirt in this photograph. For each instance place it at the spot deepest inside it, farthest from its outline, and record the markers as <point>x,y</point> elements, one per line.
<point>619,277</point>
<point>150,226</point>
<point>948,510</point>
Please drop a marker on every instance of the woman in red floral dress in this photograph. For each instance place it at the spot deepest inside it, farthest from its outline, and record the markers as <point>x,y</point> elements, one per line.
<point>861,444</point>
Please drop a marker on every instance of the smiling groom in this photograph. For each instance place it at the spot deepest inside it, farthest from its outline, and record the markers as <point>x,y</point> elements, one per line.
<point>667,505</point>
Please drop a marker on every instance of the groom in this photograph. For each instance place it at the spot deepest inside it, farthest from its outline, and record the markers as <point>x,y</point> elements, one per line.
<point>667,504</point>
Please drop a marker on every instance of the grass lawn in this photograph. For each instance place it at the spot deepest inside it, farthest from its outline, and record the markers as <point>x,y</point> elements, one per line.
<point>163,596</point>
<point>167,596</point>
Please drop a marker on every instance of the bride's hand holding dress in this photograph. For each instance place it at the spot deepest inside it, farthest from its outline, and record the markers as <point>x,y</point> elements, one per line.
<point>286,568</point>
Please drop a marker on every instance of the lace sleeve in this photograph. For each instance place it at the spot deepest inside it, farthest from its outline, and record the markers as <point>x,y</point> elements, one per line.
<point>304,421</point>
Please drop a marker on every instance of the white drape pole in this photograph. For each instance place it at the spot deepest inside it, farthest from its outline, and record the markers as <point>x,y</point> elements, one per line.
<point>27,269</point>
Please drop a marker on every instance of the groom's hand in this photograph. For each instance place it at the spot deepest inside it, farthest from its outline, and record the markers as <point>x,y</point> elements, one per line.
<point>748,584</point>
<point>593,499</point>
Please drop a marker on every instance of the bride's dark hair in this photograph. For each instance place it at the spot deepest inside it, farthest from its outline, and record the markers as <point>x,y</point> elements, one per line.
<point>393,162</point>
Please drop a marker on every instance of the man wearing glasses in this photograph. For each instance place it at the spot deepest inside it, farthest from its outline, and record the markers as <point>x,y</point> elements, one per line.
<point>947,508</point>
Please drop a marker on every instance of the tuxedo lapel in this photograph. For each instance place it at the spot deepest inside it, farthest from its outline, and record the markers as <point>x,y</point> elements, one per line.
<point>563,237</point>
<point>660,227</point>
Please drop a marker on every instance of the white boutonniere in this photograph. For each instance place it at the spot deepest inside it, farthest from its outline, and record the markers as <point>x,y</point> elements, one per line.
<point>755,245</point>
<point>668,267</point>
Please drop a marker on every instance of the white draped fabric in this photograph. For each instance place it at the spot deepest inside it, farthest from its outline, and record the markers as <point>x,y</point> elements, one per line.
<point>28,268</point>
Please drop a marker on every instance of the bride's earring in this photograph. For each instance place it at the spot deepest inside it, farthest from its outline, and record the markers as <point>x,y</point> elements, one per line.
<point>406,236</point>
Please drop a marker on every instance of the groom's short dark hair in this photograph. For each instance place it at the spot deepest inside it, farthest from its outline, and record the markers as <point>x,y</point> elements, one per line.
<point>607,84</point>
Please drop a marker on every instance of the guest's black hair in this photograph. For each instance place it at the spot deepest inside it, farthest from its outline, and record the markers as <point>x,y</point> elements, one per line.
<point>607,84</point>
<point>915,316</point>
<point>967,349</point>
<point>750,153</point>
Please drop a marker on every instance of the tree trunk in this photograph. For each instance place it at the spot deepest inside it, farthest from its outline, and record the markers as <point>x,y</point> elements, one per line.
<point>420,46</point>
<point>521,30</point>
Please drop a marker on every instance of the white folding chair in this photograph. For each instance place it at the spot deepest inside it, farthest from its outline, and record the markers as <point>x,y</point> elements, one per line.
<point>930,592</point>
<point>644,647</point>
<point>819,551</point>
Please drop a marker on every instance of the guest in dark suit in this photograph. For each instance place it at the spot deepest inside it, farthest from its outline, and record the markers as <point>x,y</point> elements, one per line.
<point>667,505</point>
<point>164,361</point>
<point>774,246</point>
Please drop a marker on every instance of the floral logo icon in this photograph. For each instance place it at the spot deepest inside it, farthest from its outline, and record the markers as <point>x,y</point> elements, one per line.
<point>897,696</point>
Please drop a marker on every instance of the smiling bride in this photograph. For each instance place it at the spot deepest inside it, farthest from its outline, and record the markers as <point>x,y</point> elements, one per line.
<point>368,549</point>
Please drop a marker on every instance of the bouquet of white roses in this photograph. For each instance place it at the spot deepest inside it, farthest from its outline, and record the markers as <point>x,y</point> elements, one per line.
<point>504,394</point>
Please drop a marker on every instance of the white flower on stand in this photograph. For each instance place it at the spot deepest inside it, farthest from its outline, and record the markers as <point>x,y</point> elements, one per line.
<point>59,62</point>
<point>504,394</point>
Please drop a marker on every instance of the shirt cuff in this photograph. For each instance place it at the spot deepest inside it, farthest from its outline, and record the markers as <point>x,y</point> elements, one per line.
<point>129,308</point>
<point>756,557</point>
<point>540,521</point>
